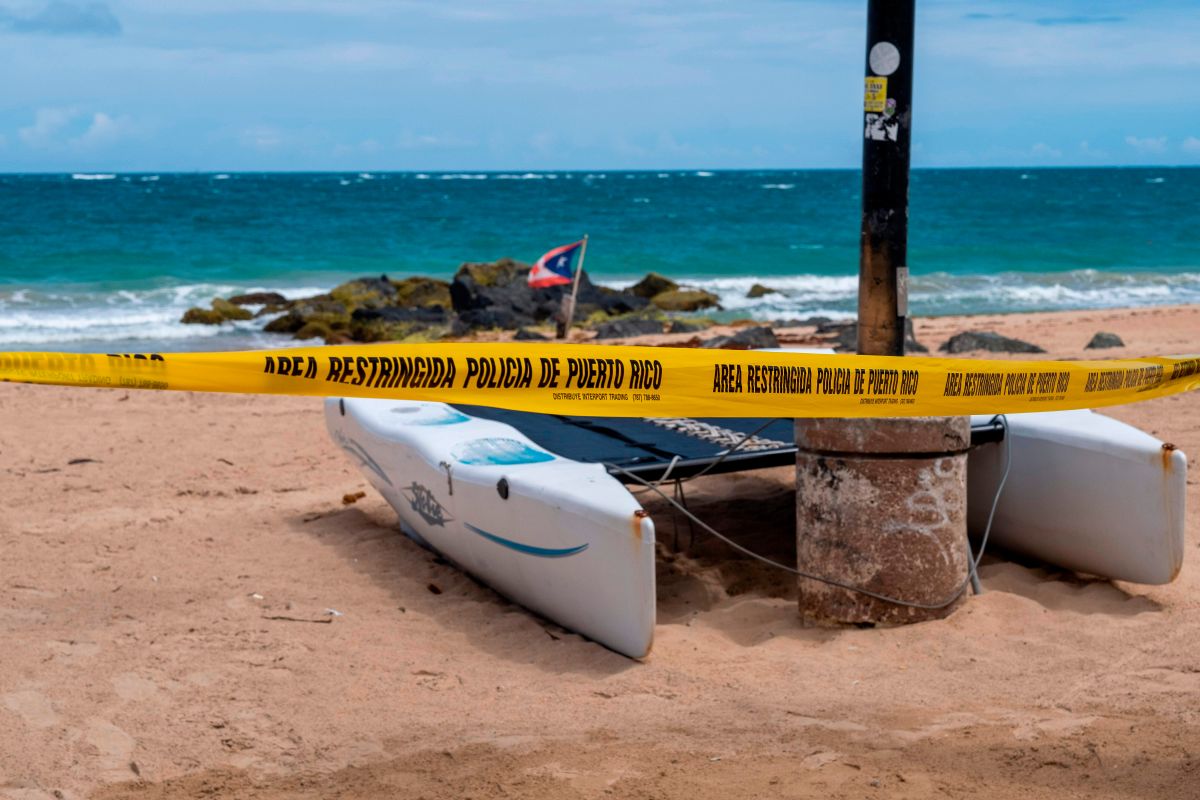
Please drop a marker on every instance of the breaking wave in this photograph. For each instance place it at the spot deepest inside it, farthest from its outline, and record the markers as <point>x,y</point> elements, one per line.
<point>149,318</point>
<point>939,294</point>
<point>30,318</point>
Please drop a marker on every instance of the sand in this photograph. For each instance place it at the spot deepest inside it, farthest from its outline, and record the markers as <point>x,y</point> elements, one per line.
<point>166,607</point>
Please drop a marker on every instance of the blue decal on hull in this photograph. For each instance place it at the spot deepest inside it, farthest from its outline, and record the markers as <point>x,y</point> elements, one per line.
<point>528,549</point>
<point>498,452</point>
<point>430,415</point>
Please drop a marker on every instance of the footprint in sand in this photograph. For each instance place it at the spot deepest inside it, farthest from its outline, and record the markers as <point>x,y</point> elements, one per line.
<point>133,687</point>
<point>111,746</point>
<point>72,652</point>
<point>33,707</point>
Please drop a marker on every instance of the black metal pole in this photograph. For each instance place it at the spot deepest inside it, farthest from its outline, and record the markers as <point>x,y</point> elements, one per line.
<point>887,127</point>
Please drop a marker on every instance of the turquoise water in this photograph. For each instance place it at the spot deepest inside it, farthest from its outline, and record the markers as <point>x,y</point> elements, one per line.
<point>105,261</point>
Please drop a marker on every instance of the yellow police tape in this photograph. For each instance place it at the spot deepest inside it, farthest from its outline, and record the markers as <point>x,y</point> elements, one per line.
<point>631,381</point>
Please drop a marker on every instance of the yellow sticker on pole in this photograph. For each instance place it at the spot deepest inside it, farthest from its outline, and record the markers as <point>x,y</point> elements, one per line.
<point>875,95</point>
<point>632,381</point>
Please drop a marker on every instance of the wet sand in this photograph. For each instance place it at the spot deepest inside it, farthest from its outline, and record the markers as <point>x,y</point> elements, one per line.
<point>164,607</point>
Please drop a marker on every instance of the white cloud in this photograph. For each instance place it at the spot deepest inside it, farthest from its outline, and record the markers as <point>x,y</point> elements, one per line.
<point>367,147</point>
<point>703,71</point>
<point>423,141</point>
<point>1043,150</point>
<point>1149,35</point>
<point>261,137</point>
<point>47,124</point>
<point>1147,145</point>
<point>104,130</point>
<point>544,142</point>
<point>65,129</point>
<point>368,54</point>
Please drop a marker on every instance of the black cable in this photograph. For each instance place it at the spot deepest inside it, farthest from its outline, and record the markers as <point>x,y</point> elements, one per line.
<point>974,560</point>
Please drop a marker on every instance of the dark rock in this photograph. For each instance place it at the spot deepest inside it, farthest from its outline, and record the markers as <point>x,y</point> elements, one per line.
<point>814,321</point>
<point>314,330</point>
<point>365,309</point>
<point>370,310</point>
<point>745,339</point>
<point>497,295</point>
<point>591,300</point>
<point>526,335</point>
<point>202,316</point>
<point>393,324</point>
<point>259,299</point>
<point>229,311</point>
<point>622,328</point>
<point>653,284</point>
<point>398,332</point>
<point>286,323</point>
<point>365,293</point>
<point>273,308</point>
<point>493,319</point>
<point>493,294</point>
<point>422,292</point>
<point>435,315</point>
<point>758,290</point>
<point>685,300</point>
<point>320,304</point>
<point>689,325</point>
<point>319,308</point>
<point>1103,341</point>
<point>968,341</point>
<point>799,323</point>
<point>610,301</point>
<point>483,284</point>
<point>845,336</point>
<point>222,311</point>
<point>911,345</point>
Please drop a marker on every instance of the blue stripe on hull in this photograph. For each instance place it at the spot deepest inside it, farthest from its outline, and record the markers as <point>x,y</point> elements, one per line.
<point>528,549</point>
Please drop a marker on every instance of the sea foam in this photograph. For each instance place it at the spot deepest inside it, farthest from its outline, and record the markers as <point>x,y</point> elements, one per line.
<point>936,294</point>
<point>30,317</point>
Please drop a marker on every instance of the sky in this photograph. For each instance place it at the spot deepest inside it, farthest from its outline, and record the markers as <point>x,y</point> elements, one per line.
<point>223,85</point>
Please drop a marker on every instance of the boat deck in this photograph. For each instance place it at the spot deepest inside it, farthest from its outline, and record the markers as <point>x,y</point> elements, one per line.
<point>646,447</point>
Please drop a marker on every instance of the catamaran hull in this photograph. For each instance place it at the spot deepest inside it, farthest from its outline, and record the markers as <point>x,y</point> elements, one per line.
<point>1085,492</point>
<point>560,537</point>
<point>568,541</point>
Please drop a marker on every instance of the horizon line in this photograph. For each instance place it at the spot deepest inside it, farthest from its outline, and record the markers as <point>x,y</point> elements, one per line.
<point>571,170</point>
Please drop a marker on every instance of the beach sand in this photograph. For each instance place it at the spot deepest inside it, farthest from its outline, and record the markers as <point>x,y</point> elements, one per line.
<point>164,613</point>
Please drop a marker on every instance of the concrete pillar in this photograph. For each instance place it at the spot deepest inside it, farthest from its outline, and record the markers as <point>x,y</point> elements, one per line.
<point>881,504</point>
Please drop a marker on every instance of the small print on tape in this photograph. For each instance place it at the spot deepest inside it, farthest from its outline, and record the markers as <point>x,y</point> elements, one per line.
<point>623,381</point>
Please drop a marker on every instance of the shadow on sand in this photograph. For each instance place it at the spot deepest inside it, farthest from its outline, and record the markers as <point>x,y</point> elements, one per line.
<point>422,582</point>
<point>700,579</point>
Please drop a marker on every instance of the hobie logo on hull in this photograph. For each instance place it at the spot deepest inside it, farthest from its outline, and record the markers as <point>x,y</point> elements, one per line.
<point>424,503</point>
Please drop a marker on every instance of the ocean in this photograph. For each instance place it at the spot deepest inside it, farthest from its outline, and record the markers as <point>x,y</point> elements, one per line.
<point>108,262</point>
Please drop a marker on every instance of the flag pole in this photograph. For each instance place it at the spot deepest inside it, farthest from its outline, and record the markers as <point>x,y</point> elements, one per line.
<point>569,316</point>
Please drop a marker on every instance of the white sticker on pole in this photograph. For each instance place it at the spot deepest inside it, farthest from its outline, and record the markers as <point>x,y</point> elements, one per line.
<point>884,58</point>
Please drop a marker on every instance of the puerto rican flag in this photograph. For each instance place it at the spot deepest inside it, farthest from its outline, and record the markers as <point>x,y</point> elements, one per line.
<point>554,268</point>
